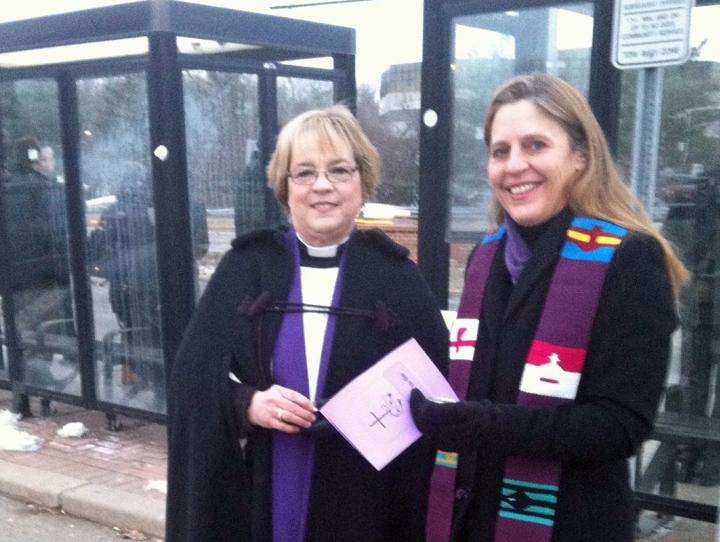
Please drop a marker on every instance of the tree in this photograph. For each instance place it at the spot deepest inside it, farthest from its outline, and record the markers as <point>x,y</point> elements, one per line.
<point>396,138</point>
<point>221,118</point>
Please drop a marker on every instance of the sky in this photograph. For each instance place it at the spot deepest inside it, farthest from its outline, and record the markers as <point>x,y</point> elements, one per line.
<point>387,31</point>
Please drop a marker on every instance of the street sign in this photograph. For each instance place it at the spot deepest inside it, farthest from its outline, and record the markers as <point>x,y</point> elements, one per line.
<point>651,33</point>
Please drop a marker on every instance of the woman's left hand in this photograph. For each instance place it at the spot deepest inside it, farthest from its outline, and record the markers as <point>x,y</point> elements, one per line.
<point>449,426</point>
<point>281,409</point>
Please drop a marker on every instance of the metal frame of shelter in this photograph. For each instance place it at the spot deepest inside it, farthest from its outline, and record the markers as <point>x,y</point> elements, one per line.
<point>436,145</point>
<point>272,40</point>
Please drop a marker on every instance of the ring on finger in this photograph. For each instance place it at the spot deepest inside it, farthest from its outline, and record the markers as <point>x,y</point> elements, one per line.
<point>279,414</point>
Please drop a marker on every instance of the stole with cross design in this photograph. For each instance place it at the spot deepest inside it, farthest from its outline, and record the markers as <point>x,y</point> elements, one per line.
<point>551,375</point>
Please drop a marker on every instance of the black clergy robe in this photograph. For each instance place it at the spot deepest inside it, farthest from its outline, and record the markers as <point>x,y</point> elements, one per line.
<point>218,490</point>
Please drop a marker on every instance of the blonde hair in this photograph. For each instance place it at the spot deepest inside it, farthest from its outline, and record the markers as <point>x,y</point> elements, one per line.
<point>325,127</point>
<point>601,191</point>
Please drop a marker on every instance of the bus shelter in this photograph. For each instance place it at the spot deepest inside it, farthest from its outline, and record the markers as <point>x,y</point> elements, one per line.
<point>133,144</point>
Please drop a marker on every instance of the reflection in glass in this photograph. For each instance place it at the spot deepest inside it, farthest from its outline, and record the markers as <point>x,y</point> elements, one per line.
<point>225,175</point>
<point>121,242</point>
<point>35,222</point>
<point>489,49</point>
<point>297,95</point>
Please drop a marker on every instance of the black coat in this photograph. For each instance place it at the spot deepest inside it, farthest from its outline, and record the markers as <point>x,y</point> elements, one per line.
<point>34,214</point>
<point>217,491</point>
<point>616,401</point>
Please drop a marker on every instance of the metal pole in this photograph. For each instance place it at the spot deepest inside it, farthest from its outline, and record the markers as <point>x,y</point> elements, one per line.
<point>435,129</point>
<point>172,206</point>
<point>268,113</point>
<point>69,120</point>
<point>646,143</point>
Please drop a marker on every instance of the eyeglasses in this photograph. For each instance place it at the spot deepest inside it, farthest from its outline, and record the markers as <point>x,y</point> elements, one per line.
<point>335,174</point>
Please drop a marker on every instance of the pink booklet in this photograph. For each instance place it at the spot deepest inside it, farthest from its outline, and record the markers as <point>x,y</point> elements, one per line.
<point>373,411</point>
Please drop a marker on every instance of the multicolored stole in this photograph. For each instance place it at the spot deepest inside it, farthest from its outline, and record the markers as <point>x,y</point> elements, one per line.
<point>550,378</point>
<point>293,454</point>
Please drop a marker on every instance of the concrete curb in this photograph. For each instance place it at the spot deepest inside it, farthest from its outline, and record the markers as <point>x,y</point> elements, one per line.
<point>115,508</point>
<point>35,485</point>
<point>106,506</point>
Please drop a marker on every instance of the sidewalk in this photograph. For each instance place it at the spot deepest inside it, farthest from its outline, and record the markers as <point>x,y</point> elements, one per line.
<point>106,477</point>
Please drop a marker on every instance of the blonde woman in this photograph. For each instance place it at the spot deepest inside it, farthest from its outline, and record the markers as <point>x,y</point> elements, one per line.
<point>292,315</point>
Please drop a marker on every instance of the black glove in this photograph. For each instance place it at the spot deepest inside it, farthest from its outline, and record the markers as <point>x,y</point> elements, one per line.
<point>450,426</point>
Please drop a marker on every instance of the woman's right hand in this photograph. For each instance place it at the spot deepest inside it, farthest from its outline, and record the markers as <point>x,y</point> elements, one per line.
<point>281,409</point>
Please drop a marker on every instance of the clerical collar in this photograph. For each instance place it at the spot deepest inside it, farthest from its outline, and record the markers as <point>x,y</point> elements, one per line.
<point>322,257</point>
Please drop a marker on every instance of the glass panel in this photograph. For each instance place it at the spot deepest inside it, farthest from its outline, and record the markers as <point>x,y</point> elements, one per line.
<point>75,53</point>
<point>225,175</point>
<point>488,49</point>
<point>35,223</point>
<point>684,460</point>
<point>115,172</point>
<point>297,95</point>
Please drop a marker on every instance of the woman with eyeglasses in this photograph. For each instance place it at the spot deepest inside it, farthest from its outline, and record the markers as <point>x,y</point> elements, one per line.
<point>288,319</point>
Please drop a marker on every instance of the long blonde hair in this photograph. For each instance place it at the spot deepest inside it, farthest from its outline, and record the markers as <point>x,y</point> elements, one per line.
<point>601,191</point>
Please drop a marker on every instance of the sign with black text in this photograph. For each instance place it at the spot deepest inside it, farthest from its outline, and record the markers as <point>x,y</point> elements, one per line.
<point>651,33</point>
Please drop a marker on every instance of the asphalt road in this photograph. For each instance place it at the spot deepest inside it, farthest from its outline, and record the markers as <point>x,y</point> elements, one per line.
<point>33,523</point>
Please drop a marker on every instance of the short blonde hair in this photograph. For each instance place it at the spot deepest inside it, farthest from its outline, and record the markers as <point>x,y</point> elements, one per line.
<point>327,127</point>
<point>601,191</point>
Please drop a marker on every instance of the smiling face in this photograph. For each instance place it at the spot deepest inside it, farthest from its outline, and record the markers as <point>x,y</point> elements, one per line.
<point>531,164</point>
<point>323,213</point>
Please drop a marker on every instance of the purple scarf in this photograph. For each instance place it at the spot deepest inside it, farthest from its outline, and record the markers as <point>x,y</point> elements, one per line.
<point>293,454</point>
<point>517,252</point>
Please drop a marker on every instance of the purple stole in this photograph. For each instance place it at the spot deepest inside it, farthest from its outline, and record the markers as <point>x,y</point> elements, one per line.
<point>550,378</point>
<point>293,455</point>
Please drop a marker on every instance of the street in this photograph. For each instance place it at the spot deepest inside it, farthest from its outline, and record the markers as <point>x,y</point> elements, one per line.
<point>34,523</point>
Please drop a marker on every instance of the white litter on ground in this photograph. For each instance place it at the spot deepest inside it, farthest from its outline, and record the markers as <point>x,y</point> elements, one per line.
<point>11,438</point>
<point>72,429</point>
<point>157,485</point>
